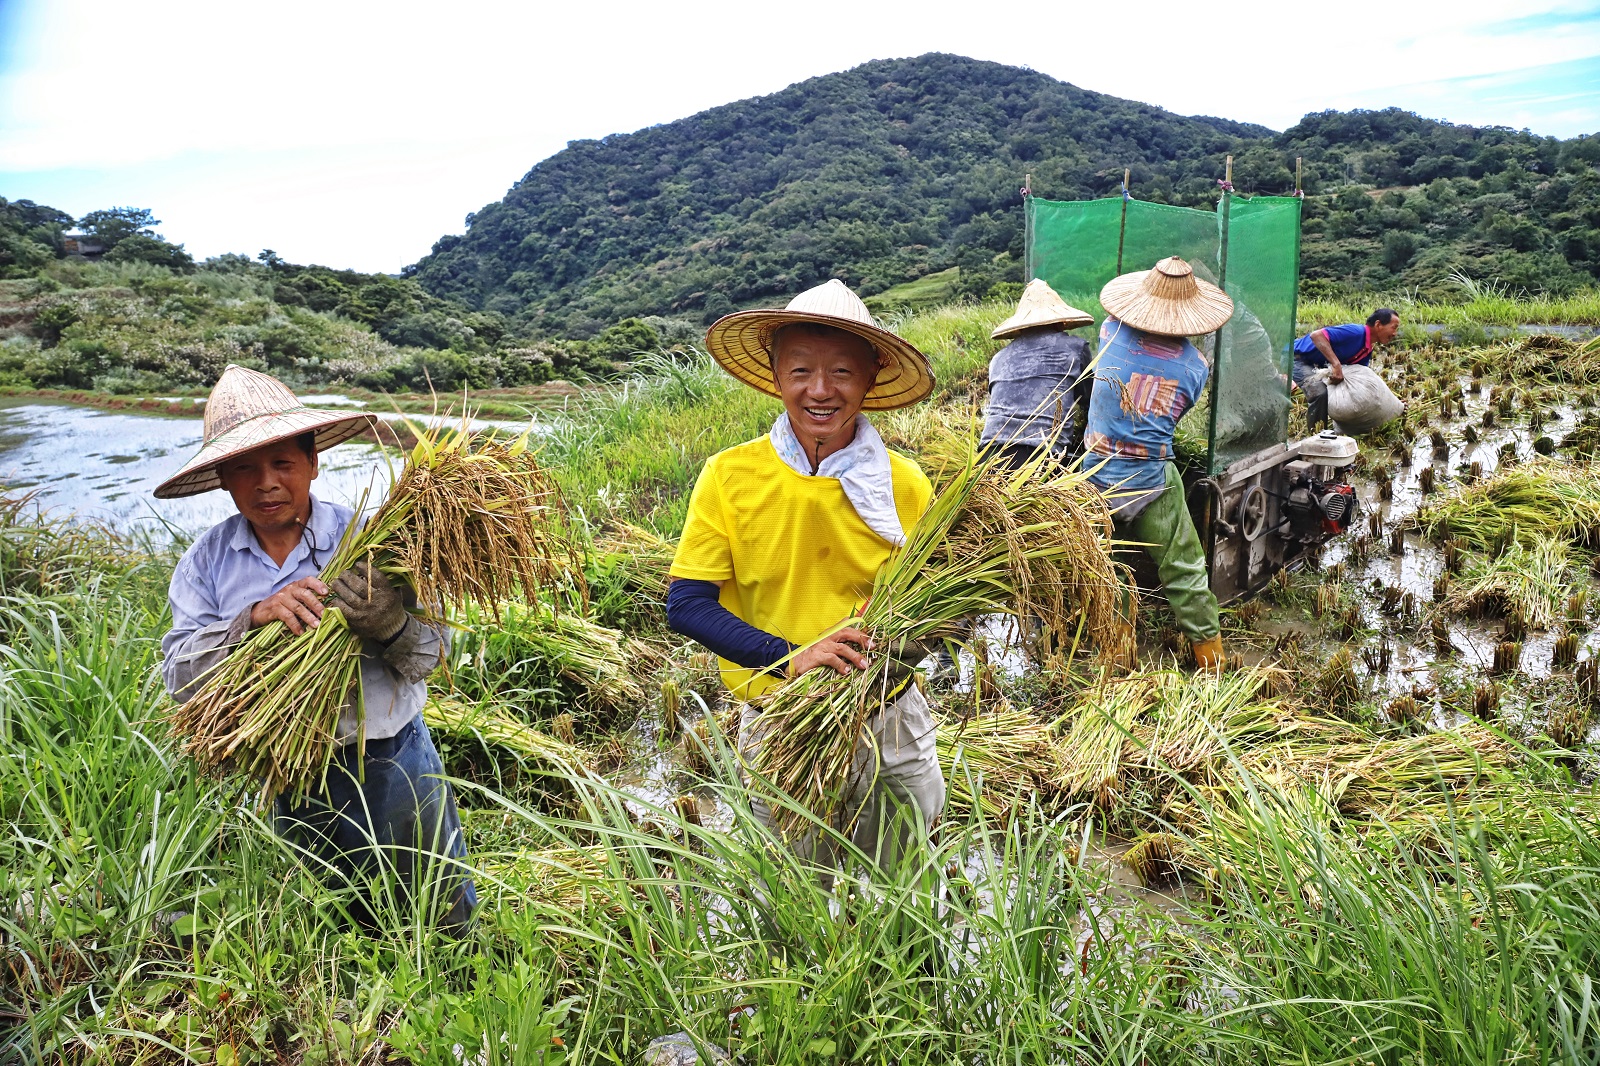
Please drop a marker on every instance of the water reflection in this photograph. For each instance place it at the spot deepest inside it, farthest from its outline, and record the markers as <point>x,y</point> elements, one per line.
<point>103,465</point>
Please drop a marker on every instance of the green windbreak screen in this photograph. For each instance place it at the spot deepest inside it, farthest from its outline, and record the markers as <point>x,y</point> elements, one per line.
<point>1074,245</point>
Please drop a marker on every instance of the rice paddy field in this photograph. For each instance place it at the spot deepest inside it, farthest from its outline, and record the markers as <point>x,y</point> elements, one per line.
<point>1372,840</point>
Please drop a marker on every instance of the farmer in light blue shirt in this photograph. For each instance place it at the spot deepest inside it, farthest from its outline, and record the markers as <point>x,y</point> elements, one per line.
<point>1337,347</point>
<point>1147,375</point>
<point>381,809</point>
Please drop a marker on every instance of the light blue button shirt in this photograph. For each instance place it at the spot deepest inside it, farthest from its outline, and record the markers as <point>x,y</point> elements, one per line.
<point>226,572</point>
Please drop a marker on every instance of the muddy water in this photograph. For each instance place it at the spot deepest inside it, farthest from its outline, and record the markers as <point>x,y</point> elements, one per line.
<point>103,465</point>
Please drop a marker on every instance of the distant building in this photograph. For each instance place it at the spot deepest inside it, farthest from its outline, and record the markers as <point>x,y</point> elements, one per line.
<point>83,245</point>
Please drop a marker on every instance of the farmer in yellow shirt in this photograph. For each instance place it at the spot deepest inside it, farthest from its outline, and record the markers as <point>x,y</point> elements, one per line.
<point>786,533</point>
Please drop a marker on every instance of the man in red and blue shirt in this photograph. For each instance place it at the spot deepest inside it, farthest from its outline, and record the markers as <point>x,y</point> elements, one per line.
<point>1337,347</point>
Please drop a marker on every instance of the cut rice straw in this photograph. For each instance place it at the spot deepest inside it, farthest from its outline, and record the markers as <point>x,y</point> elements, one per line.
<point>1523,504</point>
<point>490,725</point>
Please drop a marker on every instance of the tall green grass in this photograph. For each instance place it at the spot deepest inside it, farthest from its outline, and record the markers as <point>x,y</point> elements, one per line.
<point>1481,305</point>
<point>609,921</point>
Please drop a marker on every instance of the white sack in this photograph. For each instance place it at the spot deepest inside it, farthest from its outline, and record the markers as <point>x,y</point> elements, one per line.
<point>1362,402</point>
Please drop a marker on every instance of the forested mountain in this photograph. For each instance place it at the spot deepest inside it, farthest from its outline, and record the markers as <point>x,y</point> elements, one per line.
<point>900,168</point>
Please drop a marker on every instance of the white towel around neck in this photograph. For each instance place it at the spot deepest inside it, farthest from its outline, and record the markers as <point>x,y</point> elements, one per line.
<point>861,468</point>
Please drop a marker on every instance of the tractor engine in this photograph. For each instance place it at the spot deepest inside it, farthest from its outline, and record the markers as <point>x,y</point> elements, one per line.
<point>1265,512</point>
<point>1316,509</point>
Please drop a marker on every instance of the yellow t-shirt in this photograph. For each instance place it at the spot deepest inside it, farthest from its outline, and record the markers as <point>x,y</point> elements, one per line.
<point>794,557</point>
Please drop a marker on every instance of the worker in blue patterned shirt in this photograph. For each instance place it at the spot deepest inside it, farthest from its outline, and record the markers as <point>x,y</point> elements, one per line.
<point>1147,376</point>
<point>386,807</point>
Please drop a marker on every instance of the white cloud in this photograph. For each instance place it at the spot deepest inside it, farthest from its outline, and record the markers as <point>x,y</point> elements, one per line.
<point>356,133</point>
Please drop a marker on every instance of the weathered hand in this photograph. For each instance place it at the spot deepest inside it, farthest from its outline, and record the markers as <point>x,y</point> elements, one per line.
<point>369,601</point>
<point>297,605</point>
<point>843,651</point>
<point>1336,372</point>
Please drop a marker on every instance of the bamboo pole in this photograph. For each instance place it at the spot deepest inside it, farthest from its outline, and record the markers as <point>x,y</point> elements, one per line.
<point>1216,349</point>
<point>1122,231</point>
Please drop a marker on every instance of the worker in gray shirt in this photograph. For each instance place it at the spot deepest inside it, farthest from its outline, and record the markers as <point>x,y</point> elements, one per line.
<point>1034,387</point>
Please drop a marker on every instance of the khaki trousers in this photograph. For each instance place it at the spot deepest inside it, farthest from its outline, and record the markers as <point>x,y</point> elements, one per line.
<point>896,787</point>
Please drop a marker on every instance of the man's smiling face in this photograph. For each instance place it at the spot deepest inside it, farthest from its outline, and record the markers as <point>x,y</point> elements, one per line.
<point>823,378</point>
<point>271,485</point>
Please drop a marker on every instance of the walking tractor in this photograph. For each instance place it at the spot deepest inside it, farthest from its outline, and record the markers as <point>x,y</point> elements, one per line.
<point>1260,501</point>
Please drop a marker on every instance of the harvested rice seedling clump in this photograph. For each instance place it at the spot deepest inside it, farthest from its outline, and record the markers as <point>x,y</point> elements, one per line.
<point>1156,858</point>
<point>1530,583</point>
<point>1522,504</point>
<point>543,662</point>
<point>1032,543</point>
<point>471,519</point>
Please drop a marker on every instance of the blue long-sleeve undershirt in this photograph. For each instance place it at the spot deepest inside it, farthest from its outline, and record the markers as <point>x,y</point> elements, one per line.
<point>694,610</point>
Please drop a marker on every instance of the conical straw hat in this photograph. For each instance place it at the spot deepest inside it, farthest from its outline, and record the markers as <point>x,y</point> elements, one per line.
<point>1040,306</point>
<point>247,409</point>
<point>1168,300</point>
<point>742,344</point>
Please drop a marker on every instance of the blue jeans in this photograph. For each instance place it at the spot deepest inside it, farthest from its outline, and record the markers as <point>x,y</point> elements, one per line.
<point>386,815</point>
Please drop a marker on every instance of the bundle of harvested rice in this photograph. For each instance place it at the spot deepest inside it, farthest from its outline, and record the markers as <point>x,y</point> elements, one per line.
<point>563,878</point>
<point>1531,581</point>
<point>488,724</point>
<point>994,758</point>
<point>1196,719</point>
<point>1098,747</point>
<point>1269,824</point>
<point>642,556</point>
<point>1372,776</point>
<point>543,662</point>
<point>1521,505</point>
<point>470,519</point>
<point>1033,543</point>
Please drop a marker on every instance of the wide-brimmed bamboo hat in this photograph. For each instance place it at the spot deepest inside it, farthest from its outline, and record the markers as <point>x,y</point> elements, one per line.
<point>247,409</point>
<point>1040,306</point>
<point>742,344</point>
<point>1168,300</point>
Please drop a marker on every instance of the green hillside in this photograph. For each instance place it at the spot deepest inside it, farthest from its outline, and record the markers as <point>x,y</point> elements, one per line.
<point>880,174</point>
<point>899,169</point>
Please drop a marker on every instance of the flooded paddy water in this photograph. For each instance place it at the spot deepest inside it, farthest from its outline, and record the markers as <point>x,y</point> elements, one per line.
<point>101,466</point>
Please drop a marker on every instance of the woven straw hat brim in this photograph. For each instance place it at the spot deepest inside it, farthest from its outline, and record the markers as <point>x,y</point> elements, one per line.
<point>1070,318</point>
<point>741,344</point>
<point>1125,299</point>
<point>200,473</point>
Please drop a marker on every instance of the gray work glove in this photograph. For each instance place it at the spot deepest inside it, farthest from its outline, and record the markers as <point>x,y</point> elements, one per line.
<point>904,657</point>
<point>370,603</point>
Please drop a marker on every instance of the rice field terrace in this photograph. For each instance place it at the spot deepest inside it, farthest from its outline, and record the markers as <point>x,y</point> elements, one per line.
<point>1372,840</point>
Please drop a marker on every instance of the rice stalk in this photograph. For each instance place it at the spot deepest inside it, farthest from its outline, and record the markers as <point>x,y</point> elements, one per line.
<point>1532,581</point>
<point>1523,505</point>
<point>491,725</point>
<point>542,661</point>
<point>469,520</point>
<point>994,759</point>
<point>642,555</point>
<point>1033,543</point>
<point>1196,719</point>
<point>1099,743</point>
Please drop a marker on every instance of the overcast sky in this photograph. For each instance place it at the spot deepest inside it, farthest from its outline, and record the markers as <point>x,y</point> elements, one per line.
<point>355,134</point>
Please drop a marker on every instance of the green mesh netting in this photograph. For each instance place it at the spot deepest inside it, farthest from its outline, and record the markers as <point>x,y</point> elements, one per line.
<point>1074,246</point>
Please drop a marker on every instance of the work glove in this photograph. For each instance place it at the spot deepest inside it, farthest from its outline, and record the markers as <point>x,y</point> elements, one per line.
<point>370,603</point>
<point>904,657</point>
